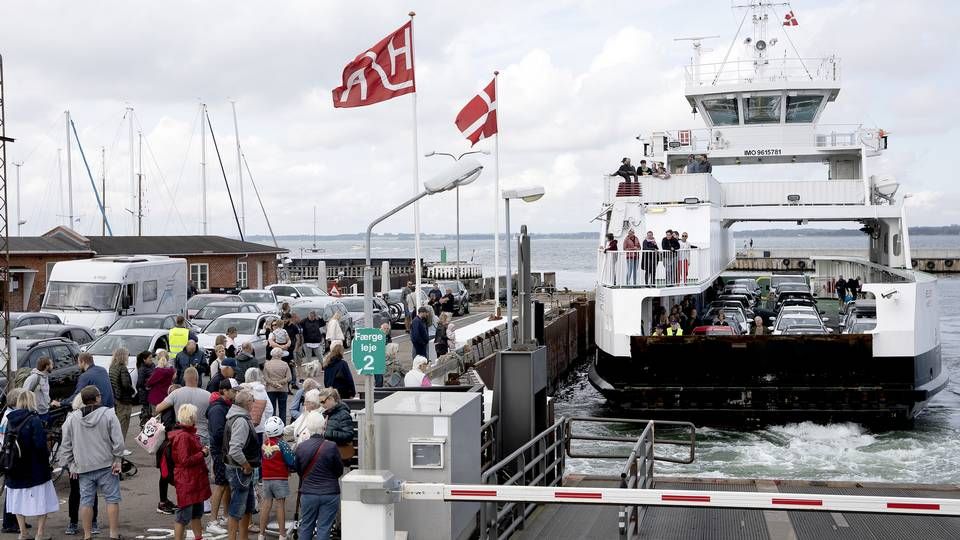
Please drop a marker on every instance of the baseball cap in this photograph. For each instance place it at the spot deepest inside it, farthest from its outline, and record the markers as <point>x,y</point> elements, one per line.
<point>229,362</point>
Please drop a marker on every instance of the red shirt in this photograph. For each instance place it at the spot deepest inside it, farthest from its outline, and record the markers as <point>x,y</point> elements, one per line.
<point>274,466</point>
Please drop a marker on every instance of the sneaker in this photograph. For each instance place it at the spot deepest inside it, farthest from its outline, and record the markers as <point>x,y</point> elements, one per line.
<point>96,529</point>
<point>165,507</point>
<point>214,528</point>
<point>72,529</point>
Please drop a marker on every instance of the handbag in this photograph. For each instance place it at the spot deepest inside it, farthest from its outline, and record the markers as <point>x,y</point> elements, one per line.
<point>152,435</point>
<point>347,451</point>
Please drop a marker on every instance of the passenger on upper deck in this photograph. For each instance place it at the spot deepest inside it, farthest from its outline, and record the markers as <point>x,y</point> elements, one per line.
<point>649,262</point>
<point>643,170</point>
<point>626,170</point>
<point>660,171</point>
<point>631,244</point>
<point>703,164</point>
<point>611,250</point>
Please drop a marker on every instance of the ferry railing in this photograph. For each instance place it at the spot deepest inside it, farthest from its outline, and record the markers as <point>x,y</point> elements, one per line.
<point>637,471</point>
<point>773,70</point>
<point>540,462</point>
<point>653,268</point>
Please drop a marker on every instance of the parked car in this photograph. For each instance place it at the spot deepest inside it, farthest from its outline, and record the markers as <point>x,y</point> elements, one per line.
<point>154,321</point>
<point>461,296</point>
<point>197,301</point>
<point>134,340</point>
<point>778,279</point>
<point>747,283</point>
<point>858,309</point>
<point>71,332</point>
<point>797,317</point>
<point>714,331</point>
<point>286,292</point>
<point>265,299</point>
<point>805,330</point>
<point>325,308</point>
<point>18,319</point>
<point>62,352</point>
<point>354,305</point>
<point>250,328</point>
<point>215,309</point>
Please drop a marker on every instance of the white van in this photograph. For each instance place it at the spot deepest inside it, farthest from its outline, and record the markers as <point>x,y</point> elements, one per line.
<point>95,292</point>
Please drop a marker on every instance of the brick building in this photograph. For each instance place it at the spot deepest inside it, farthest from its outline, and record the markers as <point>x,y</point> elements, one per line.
<point>215,263</point>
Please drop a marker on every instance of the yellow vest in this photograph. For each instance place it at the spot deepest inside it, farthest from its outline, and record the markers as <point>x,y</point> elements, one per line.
<point>177,339</point>
<point>671,333</point>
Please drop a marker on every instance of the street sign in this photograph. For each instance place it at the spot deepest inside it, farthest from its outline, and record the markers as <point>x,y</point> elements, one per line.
<point>369,351</point>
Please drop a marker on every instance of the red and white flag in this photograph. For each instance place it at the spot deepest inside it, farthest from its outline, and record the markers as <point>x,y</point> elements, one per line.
<point>790,19</point>
<point>382,72</point>
<point>478,120</point>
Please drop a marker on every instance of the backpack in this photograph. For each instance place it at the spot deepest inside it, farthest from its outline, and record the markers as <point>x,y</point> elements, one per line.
<point>10,450</point>
<point>165,460</point>
<point>21,377</point>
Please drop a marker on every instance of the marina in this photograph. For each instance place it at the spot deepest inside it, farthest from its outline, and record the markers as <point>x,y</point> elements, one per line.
<point>324,367</point>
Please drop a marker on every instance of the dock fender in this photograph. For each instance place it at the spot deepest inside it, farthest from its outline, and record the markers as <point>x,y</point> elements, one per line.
<point>786,262</point>
<point>930,265</point>
<point>801,265</point>
<point>948,263</point>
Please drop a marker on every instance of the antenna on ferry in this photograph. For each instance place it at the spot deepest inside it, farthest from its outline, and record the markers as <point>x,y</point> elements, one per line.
<point>698,51</point>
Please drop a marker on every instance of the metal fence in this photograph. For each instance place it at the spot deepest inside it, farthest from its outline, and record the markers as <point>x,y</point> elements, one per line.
<point>653,268</point>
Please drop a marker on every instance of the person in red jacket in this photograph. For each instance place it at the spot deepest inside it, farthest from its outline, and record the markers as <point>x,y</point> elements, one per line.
<point>189,472</point>
<point>276,461</point>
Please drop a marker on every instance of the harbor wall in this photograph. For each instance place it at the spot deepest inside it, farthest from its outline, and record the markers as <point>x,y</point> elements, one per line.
<point>938,261</point>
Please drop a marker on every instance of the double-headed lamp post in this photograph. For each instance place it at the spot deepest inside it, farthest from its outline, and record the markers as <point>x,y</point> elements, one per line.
<point>460,174</point>
<point>458,158</point>
<point>525,194</point>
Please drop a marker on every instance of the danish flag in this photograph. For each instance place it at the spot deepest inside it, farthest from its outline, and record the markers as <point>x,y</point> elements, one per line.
<point>478,119</point>
<point>382,72</point>
<point>790,19</point>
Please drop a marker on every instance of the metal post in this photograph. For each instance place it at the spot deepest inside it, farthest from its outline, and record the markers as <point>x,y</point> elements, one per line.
<point>19,221</point>
<point>506,206</point>
<point>523,285</point>
<point>458,233</point>
<point>140,184</point>
<point>59,186</point>
<point>10,352</point>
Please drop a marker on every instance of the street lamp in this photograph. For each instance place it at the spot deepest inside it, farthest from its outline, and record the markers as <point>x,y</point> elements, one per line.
<point>525,194</point>
<point>459,174</point>
<point>458,158</point>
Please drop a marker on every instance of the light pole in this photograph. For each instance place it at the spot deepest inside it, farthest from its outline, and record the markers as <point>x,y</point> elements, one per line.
<point>458,158</point>
<point>460,174</point>
<point>526,194</point>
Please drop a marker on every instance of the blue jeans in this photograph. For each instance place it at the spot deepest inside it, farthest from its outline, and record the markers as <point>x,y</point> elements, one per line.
<point>317,513</point>
<point>242,496</point>
<point>632,271</point>
<point>279,402</point>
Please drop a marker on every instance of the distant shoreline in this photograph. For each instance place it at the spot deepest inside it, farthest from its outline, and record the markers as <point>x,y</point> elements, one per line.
<point>951,230</point>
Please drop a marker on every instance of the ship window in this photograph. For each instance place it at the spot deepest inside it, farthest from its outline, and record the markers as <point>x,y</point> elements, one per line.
<point>802,108</point>
<point>896,245</point>
<point>762,109</point>
<point>723,112</point>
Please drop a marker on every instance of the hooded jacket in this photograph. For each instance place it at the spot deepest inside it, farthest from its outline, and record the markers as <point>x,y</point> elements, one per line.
<point>337,375</point>
<point>190,466</point>
<point>263,400</point>
<point>39,383</point>
<point>185,360</point>
<point>158,384</point>
<point>245,361</point>
<point>92,439</point>
<point>95,376</point>
<point>419,336</point>
<point>240,440</point>
<point>216,421</point>
<point>339,428</point>
<point>32,469</point>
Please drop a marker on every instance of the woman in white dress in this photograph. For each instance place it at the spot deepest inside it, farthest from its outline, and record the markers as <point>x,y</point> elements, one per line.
<point>30,490</point>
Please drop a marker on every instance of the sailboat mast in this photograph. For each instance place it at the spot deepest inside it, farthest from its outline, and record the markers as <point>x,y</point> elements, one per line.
<point>140,185</point>
<point>103,189</point>
<point>60,185</point>
<point>133,171</point>
<point>314,226</point>
<point>236,132</point>
<point>203,167</point>
<point>70,223</point>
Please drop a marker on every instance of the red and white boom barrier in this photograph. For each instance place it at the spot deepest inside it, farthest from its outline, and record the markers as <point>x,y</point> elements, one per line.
<point>673,497</point>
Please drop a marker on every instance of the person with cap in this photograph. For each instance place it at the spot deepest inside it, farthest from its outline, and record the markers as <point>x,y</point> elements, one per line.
<point>216,414</point>
<point>417,375</point>
<point>674,329</point>
<point>276,460</point>
<point>626,170</point>
<point>228,368</point>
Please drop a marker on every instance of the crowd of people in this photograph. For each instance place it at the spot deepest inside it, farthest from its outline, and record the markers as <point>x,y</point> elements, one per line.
<point>696,163</point>
<point>228,446</point>
<point>673,252</point>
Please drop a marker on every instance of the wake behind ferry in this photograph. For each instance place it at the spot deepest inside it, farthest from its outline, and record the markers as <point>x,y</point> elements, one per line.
<point>815,356</point>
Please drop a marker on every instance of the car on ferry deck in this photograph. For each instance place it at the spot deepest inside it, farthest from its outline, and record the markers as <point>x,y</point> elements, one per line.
<point>715,331</point>
<point>265,299</point>
<point>797,317</point>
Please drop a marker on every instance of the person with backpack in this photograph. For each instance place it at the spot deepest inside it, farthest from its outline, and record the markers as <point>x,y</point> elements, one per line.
<point>10,525</point>
<point>189,472</point>
<point>241,456</point>
<point>145,368</point>
<point>25,463</point>
<point>276,460</point>
<point>124,393</point>
<point>39,383</point>
<point>92,449</point>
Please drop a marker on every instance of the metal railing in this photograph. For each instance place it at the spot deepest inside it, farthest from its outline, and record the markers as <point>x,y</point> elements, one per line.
<point>653,268</point>
<point>540,462</point>
<point>488,443</point>
<point>773,70</point>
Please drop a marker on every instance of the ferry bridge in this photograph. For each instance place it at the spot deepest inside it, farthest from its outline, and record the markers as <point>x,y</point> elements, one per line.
<point>529,494</point>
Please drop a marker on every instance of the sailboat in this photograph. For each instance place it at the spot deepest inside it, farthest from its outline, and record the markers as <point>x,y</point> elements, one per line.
<point>315,249</point>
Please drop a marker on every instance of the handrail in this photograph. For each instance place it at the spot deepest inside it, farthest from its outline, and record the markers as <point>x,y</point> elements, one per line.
<point>691,443</point>
<point>653,267</point>
<point>539,462</point>
<point>488,443</point>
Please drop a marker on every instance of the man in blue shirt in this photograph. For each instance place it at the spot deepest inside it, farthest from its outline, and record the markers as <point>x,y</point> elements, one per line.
<point>93,375</point>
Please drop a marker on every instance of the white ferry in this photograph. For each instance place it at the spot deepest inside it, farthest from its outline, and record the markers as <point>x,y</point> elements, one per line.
<point>763,114</point>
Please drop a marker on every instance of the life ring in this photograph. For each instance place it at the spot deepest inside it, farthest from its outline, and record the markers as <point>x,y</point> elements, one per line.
<point>802,264</point>
<point>786,262</point>
<point>930,265</point>
<point>913,263</point>
<point>948,263</point>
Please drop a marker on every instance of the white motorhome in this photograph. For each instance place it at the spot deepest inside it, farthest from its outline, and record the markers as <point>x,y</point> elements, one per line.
<point>95,292</point>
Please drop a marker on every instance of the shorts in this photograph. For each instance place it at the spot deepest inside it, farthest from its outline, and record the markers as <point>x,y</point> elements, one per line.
<point>185,514</point>
<point>242,497</point>
<point>276,489</point>
<point>102,481</point>
<point>219,470</point>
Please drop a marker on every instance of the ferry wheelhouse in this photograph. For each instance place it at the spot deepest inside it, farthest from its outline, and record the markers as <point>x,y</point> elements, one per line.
<point>758,112</point>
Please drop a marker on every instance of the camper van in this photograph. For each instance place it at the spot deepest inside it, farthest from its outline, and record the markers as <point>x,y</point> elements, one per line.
<point>95,292</point>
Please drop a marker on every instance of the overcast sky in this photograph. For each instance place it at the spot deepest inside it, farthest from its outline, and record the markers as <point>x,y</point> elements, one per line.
<point>579,80</point>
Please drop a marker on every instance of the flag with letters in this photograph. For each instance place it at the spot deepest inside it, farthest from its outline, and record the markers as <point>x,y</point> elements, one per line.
<point>478,119</point>
<point>382,72</point>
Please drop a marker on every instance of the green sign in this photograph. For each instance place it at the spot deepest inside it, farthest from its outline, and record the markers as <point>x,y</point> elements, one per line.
<point>369,351</point>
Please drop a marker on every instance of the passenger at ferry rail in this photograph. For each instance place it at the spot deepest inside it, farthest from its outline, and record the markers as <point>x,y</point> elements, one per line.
<point>693,166</point>
<point>626,170</point>
<point>683,262</point>
<point>703,164</point>
<point>611,250</point>
<point>693,320</point>
<point>660,171</point>
<point>631,245</point>
<point>417,376</point>
<point>721,320</point>
<point>669,257</point>
<point>643,170</point>
<point>658,330</point>
<point>649,261</point>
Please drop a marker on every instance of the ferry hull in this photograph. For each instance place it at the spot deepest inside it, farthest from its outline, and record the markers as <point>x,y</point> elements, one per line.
<point>757,380</point>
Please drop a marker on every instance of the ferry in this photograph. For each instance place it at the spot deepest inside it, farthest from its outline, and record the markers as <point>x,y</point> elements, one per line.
<point>763,137</point>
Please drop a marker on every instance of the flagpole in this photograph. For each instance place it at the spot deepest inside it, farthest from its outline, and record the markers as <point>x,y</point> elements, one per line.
<point>496,197</point>
<point>416,179</point>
